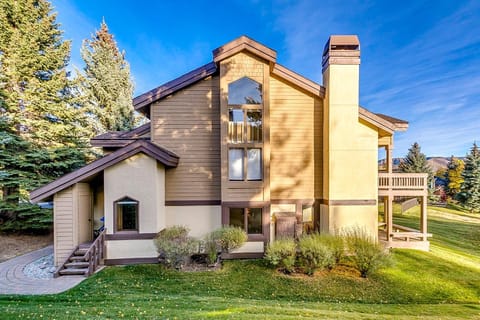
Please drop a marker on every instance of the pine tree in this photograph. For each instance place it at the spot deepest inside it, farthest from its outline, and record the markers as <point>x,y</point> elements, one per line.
<point>469,195</point>
<point>40,125</point>
<point>453,176</point>
<point>106,82</point>
<point>34,84</point>
<point>416,162</point>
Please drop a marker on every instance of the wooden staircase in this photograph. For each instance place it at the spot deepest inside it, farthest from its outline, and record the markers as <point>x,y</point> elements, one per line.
<point>84,259</point>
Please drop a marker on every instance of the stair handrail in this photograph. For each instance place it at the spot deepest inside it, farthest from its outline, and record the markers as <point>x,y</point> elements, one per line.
<point>95,253</point>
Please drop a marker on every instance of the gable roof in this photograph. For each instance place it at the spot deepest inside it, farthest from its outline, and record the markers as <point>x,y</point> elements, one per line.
<point>142,103</point>
<point>118,139</point>
<point>164,156</point>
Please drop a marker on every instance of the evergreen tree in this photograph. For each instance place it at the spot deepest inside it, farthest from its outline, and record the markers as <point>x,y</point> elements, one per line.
<point>453,176</point>
<point>106,82</point>
<point>34,84</point>
<point>416,162</point>
<point>43,132</point>
<point>470,190</point>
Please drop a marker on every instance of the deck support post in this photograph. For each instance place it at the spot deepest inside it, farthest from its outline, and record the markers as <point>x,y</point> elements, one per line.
<point>423,218</point>
<point>389,210</point>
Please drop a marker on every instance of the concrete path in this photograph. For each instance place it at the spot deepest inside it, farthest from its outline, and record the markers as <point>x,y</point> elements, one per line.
<point>14,281</point>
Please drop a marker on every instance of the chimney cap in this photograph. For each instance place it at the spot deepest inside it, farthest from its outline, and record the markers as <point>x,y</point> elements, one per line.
<point>341,49</point>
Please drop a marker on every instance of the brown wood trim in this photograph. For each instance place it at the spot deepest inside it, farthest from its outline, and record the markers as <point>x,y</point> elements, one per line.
<point>179,203</point>
<point>171,87</point>
<point>298,80</point>
<point>376,120</point>
<point>292,201</point>
<point>127,261</point>
<point>244,43</point>
<point>245,204</point>
<point>245,255</point>
<point>356,202</point>
<point>165,156</point>
<point>130,236</point>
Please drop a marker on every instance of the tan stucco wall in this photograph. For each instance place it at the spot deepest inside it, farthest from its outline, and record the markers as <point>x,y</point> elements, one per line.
<point>126,249</point>
<point>199,219</point>
<point>143,179</point>
<point>350,157</point>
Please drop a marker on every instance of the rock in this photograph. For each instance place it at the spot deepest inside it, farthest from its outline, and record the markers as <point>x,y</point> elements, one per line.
<point>52,269</point>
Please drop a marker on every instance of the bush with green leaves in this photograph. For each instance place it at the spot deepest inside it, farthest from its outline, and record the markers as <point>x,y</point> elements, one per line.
<point>229,238</point>
<point>314,254</point>
<point>282,254</point>
<point>366,254</point>
<point>175,246</point>
<point>211,248</point>
<point>336,244</point>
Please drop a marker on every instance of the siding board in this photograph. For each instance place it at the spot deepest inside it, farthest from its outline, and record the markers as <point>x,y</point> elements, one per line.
<point>188,123</point>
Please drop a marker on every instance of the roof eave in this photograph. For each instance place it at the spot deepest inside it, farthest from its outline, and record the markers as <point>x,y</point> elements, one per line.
<point>166,157</point>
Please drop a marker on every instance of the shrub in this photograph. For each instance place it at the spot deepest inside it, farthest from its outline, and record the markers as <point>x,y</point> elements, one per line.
<point>175,246</point>
<point>229,238</point>
<point>282,253</point>
<point>315,254</point>
<point>336,244</point>
<point>212,248</point>
<point>367,254</point>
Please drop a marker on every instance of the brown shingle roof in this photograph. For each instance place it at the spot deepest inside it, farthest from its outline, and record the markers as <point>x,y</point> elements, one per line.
<point>164,156</point>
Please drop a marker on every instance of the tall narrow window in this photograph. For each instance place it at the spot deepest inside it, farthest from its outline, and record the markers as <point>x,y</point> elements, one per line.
<point>235,164</point>
<point>254,164</point>
<point>245,130</point>
<point>126,211</point>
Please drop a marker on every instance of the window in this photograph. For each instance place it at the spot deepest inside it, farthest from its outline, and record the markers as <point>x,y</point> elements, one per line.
<point>249,219</point>
<point>245,130</point>
<point>244,125</point>
<point>238,157</point>
<point>244,91</point>
<point>126,214</point>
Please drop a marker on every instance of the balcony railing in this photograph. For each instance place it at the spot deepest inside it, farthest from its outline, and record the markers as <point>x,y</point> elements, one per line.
<point>402,184</point>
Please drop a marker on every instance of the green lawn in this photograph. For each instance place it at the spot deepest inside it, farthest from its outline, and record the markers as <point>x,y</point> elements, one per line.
<point>441,284</point>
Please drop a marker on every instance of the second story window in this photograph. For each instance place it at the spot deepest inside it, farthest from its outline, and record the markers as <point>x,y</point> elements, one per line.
<point>245,130</point>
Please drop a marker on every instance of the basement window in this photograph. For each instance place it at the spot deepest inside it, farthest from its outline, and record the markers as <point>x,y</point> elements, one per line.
<point>126,215</point>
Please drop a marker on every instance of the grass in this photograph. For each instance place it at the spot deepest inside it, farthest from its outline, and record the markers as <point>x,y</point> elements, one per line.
<point>441,284</point>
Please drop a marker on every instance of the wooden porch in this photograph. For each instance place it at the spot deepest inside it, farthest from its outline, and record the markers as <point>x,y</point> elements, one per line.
<point>391,185</point>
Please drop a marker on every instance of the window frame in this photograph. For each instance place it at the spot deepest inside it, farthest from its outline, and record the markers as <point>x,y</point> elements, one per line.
<point>115,216</point>
<point>265,235</point>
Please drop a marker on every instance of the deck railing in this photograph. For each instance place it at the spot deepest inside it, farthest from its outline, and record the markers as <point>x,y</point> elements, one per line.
<point>402,183</point>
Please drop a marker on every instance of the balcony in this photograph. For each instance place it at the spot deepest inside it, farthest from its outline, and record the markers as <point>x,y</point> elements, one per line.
<point>402,184</point>
<point>391,185</point>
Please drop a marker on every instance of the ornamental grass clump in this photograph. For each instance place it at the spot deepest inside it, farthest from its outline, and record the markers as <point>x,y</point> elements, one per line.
<point>336,244</point>
<point>366,254</point>
<point>314,254</point>
<point>282,254</point>
<point>175,246</point>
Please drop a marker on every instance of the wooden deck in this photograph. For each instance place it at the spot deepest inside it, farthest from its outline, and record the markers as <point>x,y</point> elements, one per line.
<point>402,184</point>
<point>404,238</point>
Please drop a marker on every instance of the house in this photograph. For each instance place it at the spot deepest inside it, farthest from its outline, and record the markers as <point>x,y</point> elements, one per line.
<point>240,141</point>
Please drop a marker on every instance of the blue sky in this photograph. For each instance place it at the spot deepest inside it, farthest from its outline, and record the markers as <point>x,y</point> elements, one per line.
<point>420,59</point>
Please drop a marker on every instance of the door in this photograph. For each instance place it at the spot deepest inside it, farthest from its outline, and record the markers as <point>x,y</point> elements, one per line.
<point>85,210</point>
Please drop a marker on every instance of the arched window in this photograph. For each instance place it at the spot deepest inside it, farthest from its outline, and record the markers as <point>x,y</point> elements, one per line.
<point>126,214</point>
<point>244,91</point>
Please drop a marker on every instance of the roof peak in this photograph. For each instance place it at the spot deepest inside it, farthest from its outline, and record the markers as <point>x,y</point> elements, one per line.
<point>244,43</point>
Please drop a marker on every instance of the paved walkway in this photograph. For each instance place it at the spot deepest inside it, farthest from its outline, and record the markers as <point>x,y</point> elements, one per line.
<point>14,281</point>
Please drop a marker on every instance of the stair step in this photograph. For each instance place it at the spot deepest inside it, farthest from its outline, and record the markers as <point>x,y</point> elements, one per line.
<point>77,258</point>
<point>81,251</point>
<point>77,265</point>
<point>66,272</point>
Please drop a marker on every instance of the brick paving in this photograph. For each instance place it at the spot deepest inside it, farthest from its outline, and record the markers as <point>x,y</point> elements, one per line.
<point>14,281</point>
